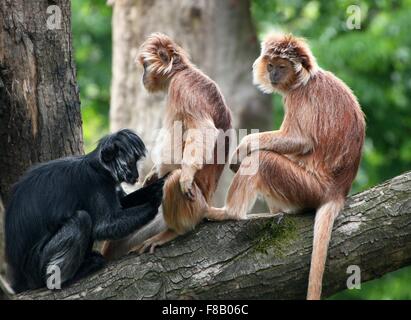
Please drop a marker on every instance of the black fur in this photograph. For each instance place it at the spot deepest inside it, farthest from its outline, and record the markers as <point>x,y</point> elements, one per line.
<point>58,209</point>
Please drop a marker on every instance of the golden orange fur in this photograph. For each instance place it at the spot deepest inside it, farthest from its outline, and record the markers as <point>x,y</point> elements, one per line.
<point>312,160</point>
<point>196,101</point>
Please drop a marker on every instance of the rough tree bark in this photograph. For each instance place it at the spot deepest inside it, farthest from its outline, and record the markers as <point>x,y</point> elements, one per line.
<point>2,265</point>
<point>221,40</point>
<point>262,258</point>
<point>39,101</point>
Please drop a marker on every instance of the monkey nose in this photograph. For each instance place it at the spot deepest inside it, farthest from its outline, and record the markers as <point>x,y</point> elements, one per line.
<point>273,78</point>
<point>274,81</point>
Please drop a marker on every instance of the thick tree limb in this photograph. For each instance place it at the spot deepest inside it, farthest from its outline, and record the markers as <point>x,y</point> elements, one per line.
<point>263,257</point>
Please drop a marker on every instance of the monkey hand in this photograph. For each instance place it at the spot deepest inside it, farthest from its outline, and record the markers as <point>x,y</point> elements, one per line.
<point>156,191</point>
<point>235,160</point>
<point>186,186</point>
<point>234,167</point>
<point>248,144</point>
<point>151,177</point>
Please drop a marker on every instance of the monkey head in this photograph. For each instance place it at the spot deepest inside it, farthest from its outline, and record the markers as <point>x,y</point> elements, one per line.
<point>285,63</point>
<point>161,58</point>
<point>119,154</point>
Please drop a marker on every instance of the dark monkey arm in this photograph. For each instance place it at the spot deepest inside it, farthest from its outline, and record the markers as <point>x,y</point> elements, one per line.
<point>142,195</point>
<point>119,224</point>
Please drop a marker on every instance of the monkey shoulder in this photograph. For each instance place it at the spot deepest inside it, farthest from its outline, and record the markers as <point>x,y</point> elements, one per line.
<point>324,93</point>
<point>196,88</point>
<point>194,82</point>
<point>336,88</point>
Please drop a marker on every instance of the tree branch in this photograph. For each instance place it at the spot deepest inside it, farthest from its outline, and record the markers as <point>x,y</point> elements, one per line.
<point>261,258</point>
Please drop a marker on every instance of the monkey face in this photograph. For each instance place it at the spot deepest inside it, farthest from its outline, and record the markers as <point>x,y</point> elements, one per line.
<point>160,58</point>
<point>285,63</point>
<point>120,153</point>
<point>274,74</point>
<point>153,81</point>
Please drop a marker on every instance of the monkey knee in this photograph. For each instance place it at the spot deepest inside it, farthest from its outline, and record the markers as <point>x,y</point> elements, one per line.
<point>61,270</point>
<point>79,227</point>
<point>269,159</point>
<point>273,167</point>
<point>249,165</point>
<point>60,263</point>
<point>65,251</point>
<point>259,158</point>
<point>288,183</point>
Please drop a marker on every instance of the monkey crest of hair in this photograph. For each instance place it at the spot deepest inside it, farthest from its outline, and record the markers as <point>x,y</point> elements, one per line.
<point>129,147</point>
<point>289,47</point>
<point>162,56</point>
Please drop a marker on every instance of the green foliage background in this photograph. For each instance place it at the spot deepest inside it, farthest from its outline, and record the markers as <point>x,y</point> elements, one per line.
<point>91,25</point>
<point>375,61</point>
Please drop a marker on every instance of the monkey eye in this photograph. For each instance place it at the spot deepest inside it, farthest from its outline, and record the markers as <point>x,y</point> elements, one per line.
<point>270,67</point>
<point>282,66</point>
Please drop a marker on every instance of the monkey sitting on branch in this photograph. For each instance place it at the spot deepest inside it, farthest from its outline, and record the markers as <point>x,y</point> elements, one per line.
<point>312,160</point>
<point>195,102</point>
<point>58,209</point>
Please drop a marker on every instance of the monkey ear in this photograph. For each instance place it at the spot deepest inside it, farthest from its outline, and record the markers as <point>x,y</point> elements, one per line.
<point>109,152</point>
<point>164,56</point>
<point>305,62</point>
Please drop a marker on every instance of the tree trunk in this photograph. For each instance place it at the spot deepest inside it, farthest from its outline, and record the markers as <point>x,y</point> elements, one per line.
<point>2,264</point>
<point>221,40</point>
<point>264,258</point>
<point>39,102</point>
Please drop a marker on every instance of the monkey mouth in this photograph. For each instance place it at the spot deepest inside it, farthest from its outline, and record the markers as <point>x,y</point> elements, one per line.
<point>132,180</point>
<point>273,82</point>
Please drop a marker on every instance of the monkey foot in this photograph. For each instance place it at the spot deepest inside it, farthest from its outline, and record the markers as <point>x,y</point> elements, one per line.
<point>152,243</point>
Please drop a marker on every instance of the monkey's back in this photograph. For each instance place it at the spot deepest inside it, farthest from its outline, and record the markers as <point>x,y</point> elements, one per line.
<point>330,116</point>
<point>204,100</point>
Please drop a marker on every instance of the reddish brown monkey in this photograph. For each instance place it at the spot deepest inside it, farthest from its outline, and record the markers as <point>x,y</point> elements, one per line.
<point>195,102</point>
<point>311,161</point>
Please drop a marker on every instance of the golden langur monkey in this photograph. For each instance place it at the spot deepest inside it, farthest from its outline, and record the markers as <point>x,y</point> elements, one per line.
<point>195,101</point>
<point>312,160</point>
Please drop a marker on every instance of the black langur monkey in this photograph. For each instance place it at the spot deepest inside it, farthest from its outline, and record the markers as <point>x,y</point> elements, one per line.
<point>58,209</point>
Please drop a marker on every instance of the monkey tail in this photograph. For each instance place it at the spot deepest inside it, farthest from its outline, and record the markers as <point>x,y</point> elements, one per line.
<point>324,221</point>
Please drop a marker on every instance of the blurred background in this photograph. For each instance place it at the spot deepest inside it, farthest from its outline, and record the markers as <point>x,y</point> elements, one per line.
<point>223,39</point>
